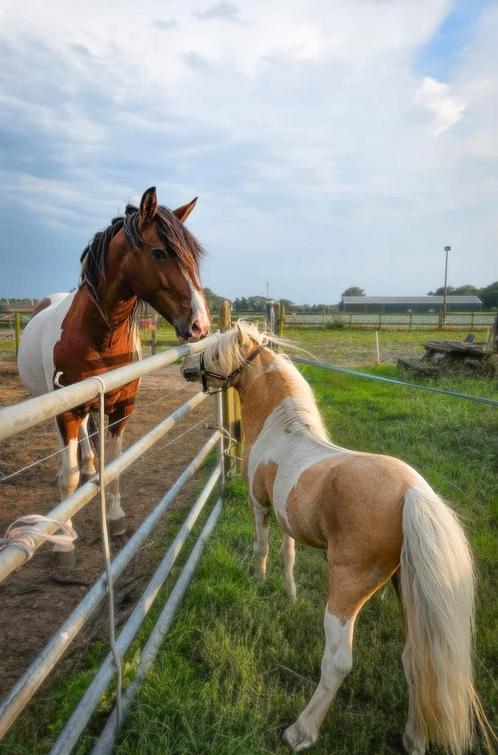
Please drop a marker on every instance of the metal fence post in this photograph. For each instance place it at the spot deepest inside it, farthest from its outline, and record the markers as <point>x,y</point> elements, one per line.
<point>231,406</point>
<point>220,446</point>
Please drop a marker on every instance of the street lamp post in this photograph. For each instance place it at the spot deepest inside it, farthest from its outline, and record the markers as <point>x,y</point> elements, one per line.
<point>445,292</point>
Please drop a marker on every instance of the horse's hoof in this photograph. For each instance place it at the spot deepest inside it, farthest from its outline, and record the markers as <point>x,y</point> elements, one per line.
<point>117,526</point>
<point>64,559</point>
<point>298,739</point>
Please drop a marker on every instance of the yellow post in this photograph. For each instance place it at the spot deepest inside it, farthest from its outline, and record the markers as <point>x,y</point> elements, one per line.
<point>18,331</point>
<point>281,321</point>
<point>231,405</point>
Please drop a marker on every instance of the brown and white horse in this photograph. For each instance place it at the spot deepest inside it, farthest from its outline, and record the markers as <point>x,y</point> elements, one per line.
<point>377,519</point>
<point>147,254</point>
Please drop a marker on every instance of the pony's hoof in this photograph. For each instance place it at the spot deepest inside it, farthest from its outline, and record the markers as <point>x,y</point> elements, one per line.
<point>64,559</point>
<point>412,748</point>
<point>117,526</point>
<point>298,739</point>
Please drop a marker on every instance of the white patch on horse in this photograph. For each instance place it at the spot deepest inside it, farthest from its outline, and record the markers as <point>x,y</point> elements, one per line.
<point>288,438</point>
<point>337,662</point>
<point>36,350</point>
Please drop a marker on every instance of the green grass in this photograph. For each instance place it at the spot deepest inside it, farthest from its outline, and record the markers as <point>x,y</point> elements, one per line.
<point>241,661</point>
<point>347,347</point>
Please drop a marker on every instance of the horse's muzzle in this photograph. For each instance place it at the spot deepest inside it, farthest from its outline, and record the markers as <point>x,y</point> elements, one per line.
<point>191,375</point>
<point>191,369</point>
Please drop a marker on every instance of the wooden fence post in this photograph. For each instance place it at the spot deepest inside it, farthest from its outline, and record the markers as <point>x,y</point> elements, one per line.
<point>281,321</point>
<point>231,405</point>
<point>18,331</point>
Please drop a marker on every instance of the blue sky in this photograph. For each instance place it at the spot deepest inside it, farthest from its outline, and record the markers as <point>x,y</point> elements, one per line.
<point>331,142</point>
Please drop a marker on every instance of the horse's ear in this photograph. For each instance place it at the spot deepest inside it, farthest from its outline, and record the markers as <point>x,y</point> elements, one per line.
<point>148,205</point>
<point>241,336</point>
<point>184,211</point>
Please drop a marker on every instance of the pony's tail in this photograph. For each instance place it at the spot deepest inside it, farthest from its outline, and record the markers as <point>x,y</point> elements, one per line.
<point>437,593</point>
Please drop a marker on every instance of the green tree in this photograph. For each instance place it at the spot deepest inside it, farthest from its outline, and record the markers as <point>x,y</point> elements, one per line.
<point>489,295</point>
<point>213,299</point>
<point>353,291</point>
<point>440,291</point>
<point>466,290</point>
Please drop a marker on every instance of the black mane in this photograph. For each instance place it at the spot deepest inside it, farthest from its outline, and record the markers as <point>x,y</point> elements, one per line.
<point>176,238</point>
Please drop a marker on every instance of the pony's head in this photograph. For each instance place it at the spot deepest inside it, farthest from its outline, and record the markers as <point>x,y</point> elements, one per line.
<point>151,255</point>
<point>222,364</point>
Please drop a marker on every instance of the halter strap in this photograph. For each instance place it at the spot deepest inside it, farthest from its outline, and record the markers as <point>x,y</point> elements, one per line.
<point>227,379</point>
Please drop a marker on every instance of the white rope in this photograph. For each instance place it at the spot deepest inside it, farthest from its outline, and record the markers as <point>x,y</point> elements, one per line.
<point>107,553</point>
<point>25,535</point>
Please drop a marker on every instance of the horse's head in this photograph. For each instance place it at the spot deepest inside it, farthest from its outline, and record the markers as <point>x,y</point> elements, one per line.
<point>162,267</point>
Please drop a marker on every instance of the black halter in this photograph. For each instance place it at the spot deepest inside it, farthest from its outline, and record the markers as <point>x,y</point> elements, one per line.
<point>226,379</point>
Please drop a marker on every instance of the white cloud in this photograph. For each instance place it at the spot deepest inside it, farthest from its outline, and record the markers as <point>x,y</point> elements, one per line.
<point>437,97</point>
<point>303,126</point>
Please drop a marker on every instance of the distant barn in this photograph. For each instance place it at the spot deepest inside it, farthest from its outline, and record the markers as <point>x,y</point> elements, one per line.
<point>376,304</point>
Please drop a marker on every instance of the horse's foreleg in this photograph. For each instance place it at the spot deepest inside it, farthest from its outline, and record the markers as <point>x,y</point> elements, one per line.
<point>87,455</point>
<point>69,477</point>
<point>288,556</point>
<point>115,514</point>
<point>261,517</point>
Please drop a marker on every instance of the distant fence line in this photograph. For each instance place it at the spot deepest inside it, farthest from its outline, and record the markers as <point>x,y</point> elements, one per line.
<point>394,321</point>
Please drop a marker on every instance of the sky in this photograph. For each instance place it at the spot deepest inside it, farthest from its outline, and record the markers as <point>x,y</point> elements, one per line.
<point>332,143</point>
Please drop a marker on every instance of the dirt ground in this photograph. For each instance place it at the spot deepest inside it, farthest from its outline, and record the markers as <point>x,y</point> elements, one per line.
<point>35,600</point>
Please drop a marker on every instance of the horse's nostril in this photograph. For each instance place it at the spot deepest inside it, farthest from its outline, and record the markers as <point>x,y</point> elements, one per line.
<point>196,328</point>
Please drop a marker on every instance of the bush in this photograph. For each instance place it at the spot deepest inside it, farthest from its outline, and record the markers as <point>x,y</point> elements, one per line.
<point>336,324</point>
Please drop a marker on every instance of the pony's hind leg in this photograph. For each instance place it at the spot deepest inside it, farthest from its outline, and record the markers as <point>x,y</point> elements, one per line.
<point>349,589</point>
<point>288,556</point>
<point>337,662</point>
<point>87,455</point>
<point>413,738</point>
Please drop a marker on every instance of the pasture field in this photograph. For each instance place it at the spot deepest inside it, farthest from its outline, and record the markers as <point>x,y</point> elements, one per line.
<point>241,660</point>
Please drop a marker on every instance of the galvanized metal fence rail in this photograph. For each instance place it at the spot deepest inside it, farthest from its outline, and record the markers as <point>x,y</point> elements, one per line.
<point>22,416</point>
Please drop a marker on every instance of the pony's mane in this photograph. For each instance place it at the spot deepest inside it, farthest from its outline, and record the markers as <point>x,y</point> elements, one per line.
<point>172,233</point>
<point>298,413</point>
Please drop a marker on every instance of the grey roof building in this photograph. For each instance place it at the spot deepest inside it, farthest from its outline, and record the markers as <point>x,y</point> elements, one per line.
<point>410,303</point>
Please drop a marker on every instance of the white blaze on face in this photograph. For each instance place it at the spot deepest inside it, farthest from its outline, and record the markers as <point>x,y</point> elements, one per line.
<point>198,306</point>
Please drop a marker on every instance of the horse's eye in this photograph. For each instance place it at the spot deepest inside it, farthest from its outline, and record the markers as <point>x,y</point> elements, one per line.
<point>159,254</point>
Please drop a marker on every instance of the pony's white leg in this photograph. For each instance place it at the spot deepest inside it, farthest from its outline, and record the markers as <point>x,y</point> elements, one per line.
<point>69,477</point>
<point>87,455</point>
<point>413,742</point>
<point>288,556</point>
<point>337,662</point>
<point>115,514</point>
<point>261,516</point>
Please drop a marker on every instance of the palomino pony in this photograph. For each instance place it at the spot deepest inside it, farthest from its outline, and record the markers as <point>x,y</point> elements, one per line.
<point>377,519</point>
<point>147,254</point>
